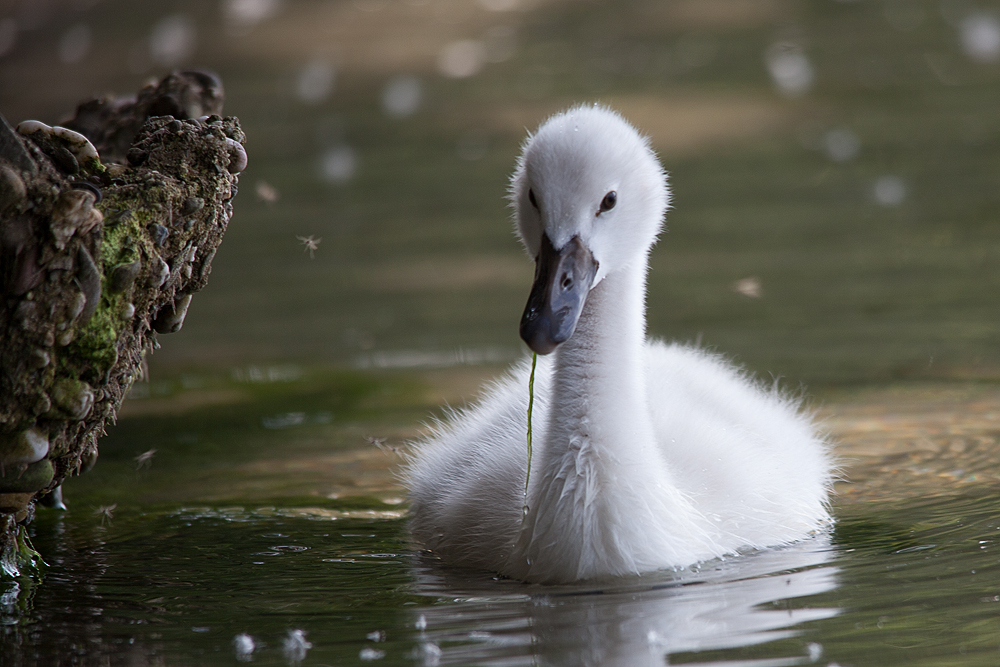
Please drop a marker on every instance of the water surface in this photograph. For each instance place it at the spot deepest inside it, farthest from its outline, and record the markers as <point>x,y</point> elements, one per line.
<point>293,521</point>
<point>835,224</point>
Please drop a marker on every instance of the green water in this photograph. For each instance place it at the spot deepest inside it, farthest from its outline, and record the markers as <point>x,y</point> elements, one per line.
<point>248,487</point>
<point>178,586</point>
<point>273,509</point>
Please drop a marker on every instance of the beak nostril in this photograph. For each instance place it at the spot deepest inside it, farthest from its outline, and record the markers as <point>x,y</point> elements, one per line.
<point>562,280</point>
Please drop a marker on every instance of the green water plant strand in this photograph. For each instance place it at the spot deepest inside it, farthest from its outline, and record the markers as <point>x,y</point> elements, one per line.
<point>18,557</point>
<point>531,404</point>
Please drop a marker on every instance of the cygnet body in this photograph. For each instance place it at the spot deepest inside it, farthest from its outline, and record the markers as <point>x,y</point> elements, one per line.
<point>645,455</point>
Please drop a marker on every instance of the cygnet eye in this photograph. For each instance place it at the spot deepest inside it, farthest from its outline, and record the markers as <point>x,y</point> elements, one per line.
<point>608,202</point>
<point>531,198</point>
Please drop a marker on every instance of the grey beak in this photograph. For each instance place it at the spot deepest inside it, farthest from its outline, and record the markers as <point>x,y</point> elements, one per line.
<point>562,282</point>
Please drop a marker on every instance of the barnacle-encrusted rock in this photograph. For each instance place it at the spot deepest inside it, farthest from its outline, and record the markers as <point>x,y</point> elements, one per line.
<point>26,479</point>
<point>123,275</point>
<point>71,212</point>
<point>73,399</point>
<point>12,192</point>
<point>96,257</point>
<point>170,319</point>
<point>111,124</point>
<point>23,447</point>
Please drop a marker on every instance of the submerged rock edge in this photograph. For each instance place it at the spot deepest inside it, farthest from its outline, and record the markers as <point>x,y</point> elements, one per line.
<point>97,259</point>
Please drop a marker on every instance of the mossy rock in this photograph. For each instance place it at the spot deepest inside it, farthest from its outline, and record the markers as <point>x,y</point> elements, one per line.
<point>96,259</point>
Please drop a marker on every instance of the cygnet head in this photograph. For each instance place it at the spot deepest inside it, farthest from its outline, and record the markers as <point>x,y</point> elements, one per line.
<point>589,196</point>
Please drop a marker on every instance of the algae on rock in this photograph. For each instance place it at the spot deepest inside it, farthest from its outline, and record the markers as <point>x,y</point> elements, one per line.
<point>96,259</point>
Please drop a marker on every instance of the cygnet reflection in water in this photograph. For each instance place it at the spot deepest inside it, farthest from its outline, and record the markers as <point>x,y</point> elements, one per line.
<point>647,456</point>
<point>632,622</point>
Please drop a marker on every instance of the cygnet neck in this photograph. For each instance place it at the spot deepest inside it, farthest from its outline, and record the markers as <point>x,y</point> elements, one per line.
<point>602,489</point>
<point>599,390</point>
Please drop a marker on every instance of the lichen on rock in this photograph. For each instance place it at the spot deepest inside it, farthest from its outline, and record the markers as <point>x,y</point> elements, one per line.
<point>108,226</point>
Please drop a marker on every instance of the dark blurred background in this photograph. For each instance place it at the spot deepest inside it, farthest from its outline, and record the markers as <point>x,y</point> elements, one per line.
<point>835,169</point>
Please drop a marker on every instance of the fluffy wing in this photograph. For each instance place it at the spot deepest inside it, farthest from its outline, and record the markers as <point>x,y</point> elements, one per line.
<point>467,478</point>
<point>748,455</point>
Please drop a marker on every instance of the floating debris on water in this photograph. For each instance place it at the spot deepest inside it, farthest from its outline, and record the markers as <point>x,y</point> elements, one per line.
<point>815,651</point>
<point>841,144</point>
<point>241,15</point>
<point>889,190</point>
<point>106,512</point>
<point>290,419</point>
<point>243,645</point>
<point>980,35</point>
<point>266,192</point>
<point>241,514</point>
<point>316,81</point>
<point>748,287</point>
<point>145,460</point>
<point>255,374</point>
<point>296,646</point>
<point>426,359</point>
<point>402,95</point>
<point>368,654</point>
<point>461,59</point>
<point>380,443</point>
<point>790,68</point>
<point>430,653</point>
<point>338,164</point>
<point>311,245</point>
<point>286,420</point>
